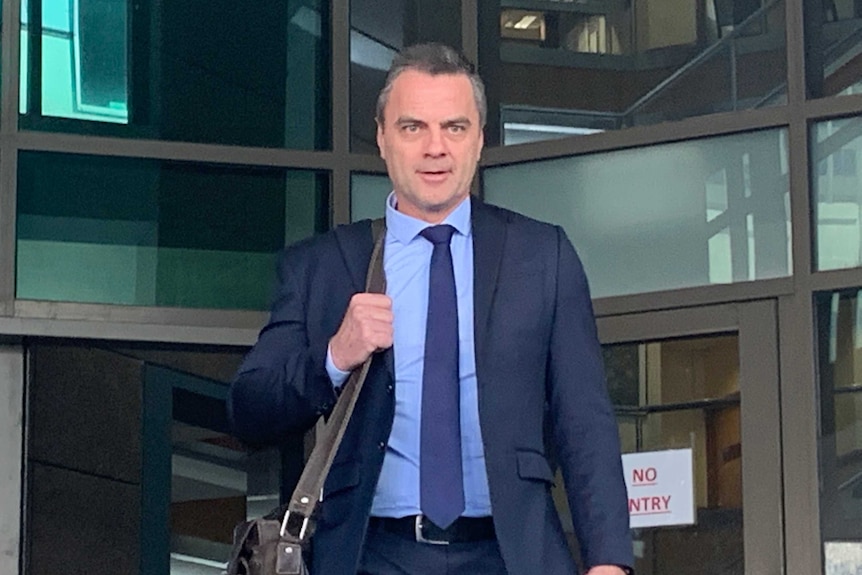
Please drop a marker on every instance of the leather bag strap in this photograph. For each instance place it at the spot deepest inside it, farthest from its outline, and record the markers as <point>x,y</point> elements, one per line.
<point>309,490</point>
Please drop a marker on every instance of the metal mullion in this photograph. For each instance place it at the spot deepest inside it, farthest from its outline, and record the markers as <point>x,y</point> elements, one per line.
<point>470,29</point>
<point>832,280</point>
<point>96,312</point>
<point>121,331</point>
<point>340,196</point>
<point>760,428</point>
<point>691,297</point>
<point>798,396</point>
<point>366,163</point>
<point>340,182</point>
<point>12,454</point>
<point>799,406</point>
<point>668,324</point>
<point>9,59</point>
<point>795,52</point>
<point>8,207</point>
<point>833,107</point>
<point>691,128</point>
<point>175,151</point>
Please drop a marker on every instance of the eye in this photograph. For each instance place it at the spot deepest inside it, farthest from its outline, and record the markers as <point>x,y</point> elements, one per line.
<point>410,128</point>
<point>457,128</point>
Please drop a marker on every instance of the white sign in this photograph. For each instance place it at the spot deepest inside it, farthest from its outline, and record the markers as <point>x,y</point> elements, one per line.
<point>660,485</point>
<point>843,557</point>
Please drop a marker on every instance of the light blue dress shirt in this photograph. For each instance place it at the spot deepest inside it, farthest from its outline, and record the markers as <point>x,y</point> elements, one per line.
<point>406,261</point>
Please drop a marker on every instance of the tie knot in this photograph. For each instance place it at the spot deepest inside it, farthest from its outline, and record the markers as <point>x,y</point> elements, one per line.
<point>438,234</point>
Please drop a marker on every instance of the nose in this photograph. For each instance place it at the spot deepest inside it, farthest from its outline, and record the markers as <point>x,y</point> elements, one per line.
<point>435,143</point>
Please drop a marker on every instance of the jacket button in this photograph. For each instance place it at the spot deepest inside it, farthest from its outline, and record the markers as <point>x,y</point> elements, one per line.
<point>381,446</point>
<point>390,388</point>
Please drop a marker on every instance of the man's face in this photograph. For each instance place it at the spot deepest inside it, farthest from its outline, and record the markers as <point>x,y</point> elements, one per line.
<point>431,141</point>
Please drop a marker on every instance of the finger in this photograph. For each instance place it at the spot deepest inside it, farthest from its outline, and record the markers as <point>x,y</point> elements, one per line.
<point>374,315</point>
<point>371,299</point>
<point>376,331</point>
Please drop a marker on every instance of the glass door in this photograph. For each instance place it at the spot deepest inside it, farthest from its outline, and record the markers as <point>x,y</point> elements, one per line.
<point>704,380</point>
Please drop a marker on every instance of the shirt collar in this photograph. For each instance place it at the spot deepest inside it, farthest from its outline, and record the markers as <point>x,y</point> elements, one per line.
<point>405,228</point>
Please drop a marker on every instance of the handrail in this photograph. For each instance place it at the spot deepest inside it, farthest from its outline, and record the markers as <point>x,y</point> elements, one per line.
<point>835,50</point>
<point>850,482</point>
<point>697,60</point>
<point>645,410</point>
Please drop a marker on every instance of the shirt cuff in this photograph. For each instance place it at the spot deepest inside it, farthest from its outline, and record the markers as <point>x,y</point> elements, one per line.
<point>337,376</point>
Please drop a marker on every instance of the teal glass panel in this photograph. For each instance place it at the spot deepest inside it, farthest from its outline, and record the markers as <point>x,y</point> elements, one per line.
<point>839,345</point>
<point>378,30</point>
<point>200,71</point>
<point>837,188</point>
<point>368,195</point>
<point>158,233</point>
<point>663,217</point>
<point>572,68</point>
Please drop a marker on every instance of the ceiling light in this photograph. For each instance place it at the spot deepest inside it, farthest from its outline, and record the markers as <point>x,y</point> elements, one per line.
<point>525,22</point>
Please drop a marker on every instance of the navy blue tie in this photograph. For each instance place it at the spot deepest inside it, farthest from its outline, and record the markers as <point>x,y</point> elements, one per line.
<point>441,477</point>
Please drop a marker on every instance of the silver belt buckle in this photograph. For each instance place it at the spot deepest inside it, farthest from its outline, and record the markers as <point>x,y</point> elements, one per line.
<point>421,538</point>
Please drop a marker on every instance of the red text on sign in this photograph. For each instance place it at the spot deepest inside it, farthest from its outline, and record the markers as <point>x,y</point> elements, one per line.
<point>649,505</point>
<point>645,476</point>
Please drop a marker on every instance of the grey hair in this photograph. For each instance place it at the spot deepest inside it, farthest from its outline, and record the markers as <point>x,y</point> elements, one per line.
<point>434,59</point>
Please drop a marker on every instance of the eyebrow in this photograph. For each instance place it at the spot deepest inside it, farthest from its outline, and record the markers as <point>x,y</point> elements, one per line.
<point>462,121</point>
<point>406,120</point>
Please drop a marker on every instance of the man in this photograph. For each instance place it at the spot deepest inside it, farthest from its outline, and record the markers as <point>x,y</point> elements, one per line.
<point>523,357</point>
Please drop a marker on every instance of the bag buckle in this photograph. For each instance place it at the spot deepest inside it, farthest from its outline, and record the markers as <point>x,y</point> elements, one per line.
<point>302,529</point>
<point>420,537</point>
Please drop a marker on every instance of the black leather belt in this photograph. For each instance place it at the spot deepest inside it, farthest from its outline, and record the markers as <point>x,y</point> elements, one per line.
<point>419,528</point>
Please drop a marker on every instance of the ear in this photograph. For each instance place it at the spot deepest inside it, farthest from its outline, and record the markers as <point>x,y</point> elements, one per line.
<point>380,145</point>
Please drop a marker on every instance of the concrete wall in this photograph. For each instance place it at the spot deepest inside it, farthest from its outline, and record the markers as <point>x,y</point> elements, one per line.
<point>11,436</point>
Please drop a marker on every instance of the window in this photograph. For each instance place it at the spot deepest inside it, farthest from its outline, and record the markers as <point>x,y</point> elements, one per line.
<point>837,197</point>
<point>158,233</point>
<point>664,217</point>
<point>198,71</point>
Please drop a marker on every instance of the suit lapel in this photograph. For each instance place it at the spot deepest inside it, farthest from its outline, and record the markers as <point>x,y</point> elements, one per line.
<point>356,245</point>
<point>489,237</point>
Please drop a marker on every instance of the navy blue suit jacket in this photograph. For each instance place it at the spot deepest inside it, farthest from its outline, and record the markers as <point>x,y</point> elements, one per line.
<point>539,369</point>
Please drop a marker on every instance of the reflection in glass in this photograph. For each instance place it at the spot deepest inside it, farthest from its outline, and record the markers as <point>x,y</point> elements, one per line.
<point>685,394</point>
<point>368,195</point>
<point>84,68</point>
<point>378,30</point>
<point>198,482</point>
<point>194,71</point>
<point>215,484</point>
<point>158,233</point>
<point>837,189</point>
<point>833,37</point>
<point>577,67</point>
<point>839,329</point>
<point>664,217</point>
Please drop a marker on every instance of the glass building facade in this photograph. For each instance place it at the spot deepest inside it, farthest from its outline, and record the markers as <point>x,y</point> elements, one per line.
<point>702,155</point>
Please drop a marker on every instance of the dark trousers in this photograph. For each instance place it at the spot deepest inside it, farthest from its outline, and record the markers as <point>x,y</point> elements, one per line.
<point>391,554</point>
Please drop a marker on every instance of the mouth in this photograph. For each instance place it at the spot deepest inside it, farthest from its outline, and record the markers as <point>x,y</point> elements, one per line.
<point>434,176</point>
